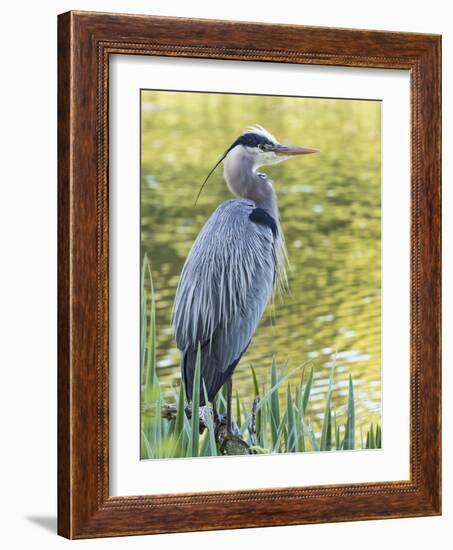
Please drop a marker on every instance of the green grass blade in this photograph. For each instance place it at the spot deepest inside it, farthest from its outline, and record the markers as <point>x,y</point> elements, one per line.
<point>327,414</point>
<point>143,326</point>
<point>378,437</point>
<point>329,432</point>
<point>256,387</point>
<point>311,436</point>
<point>157,435</point>
<point>151,346</point>
<point>179,422</point>
<point>274,388</point>
<point>371,439</point>
<point>264,422</point>
<point>205,448</point>
<point>334,428</point>
<point>290,413</point>
<point>145,450</point>
<point>298,397</point>
<point>151,343</point>
<point>280,431</point>
<point>307,391</point>
<point>238,411</point>
<point>301,438</point>
<point>257,394</point>
<point>221,403</point>
<point>274,404</point>
<point>187,441</point>
<point>154,421</point>
<point>267,396</point>
<point>195,428</point>
<point>299,418</point>
<point>243,415</point>
<point>211,433</point>
<point>148,335</point>
<point>337,438</point>
<point>349,436</point>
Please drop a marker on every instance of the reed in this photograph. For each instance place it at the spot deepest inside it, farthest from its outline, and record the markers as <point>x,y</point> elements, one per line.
<point>269,424</point>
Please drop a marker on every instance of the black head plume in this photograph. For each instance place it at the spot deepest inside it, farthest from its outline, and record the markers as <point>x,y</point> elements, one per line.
<point>209,175</point>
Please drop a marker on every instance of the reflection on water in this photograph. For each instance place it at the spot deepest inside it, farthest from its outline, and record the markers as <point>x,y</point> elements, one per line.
<point>330,213</point>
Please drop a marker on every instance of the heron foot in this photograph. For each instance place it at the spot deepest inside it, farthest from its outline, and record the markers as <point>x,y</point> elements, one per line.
<point>234,445</point>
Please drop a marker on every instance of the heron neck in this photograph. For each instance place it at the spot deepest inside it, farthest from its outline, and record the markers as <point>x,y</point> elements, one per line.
<point>244,182</point>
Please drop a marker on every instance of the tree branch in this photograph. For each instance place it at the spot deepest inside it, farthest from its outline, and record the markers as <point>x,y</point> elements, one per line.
<point>229,444</point>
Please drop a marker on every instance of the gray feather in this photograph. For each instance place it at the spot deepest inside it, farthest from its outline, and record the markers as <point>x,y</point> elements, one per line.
<point>225,284</point>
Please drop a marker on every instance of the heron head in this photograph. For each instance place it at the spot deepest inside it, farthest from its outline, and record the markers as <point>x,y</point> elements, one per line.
<point>264,149</point>
<point>257,146</point>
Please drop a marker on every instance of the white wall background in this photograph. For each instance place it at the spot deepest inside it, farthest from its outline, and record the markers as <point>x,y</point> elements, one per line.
<point>28,267</point>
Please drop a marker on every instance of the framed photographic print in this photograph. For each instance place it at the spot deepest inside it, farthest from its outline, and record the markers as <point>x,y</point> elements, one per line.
<point>249,275</point>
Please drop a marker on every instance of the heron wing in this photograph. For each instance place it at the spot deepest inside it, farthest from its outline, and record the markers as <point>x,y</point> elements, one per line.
<point>225,284</point>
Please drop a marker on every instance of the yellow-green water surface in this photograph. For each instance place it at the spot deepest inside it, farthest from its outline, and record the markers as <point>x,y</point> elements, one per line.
<point>330,214</point>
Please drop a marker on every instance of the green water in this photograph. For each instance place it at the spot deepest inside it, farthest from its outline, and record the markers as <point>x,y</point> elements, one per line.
<point>330,213</point>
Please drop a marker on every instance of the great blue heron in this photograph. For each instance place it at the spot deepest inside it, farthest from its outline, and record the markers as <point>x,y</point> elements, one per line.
<point>232,268</point>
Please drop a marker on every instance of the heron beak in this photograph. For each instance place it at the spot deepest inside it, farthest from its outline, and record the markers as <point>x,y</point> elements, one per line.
<point>291,150</point>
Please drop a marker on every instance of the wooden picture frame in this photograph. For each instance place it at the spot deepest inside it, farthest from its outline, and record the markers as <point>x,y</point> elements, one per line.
<point>85,42</point>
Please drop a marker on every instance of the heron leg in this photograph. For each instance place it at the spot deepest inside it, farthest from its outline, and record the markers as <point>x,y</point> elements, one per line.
<point>215,413</point>
<point>229,399</point>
